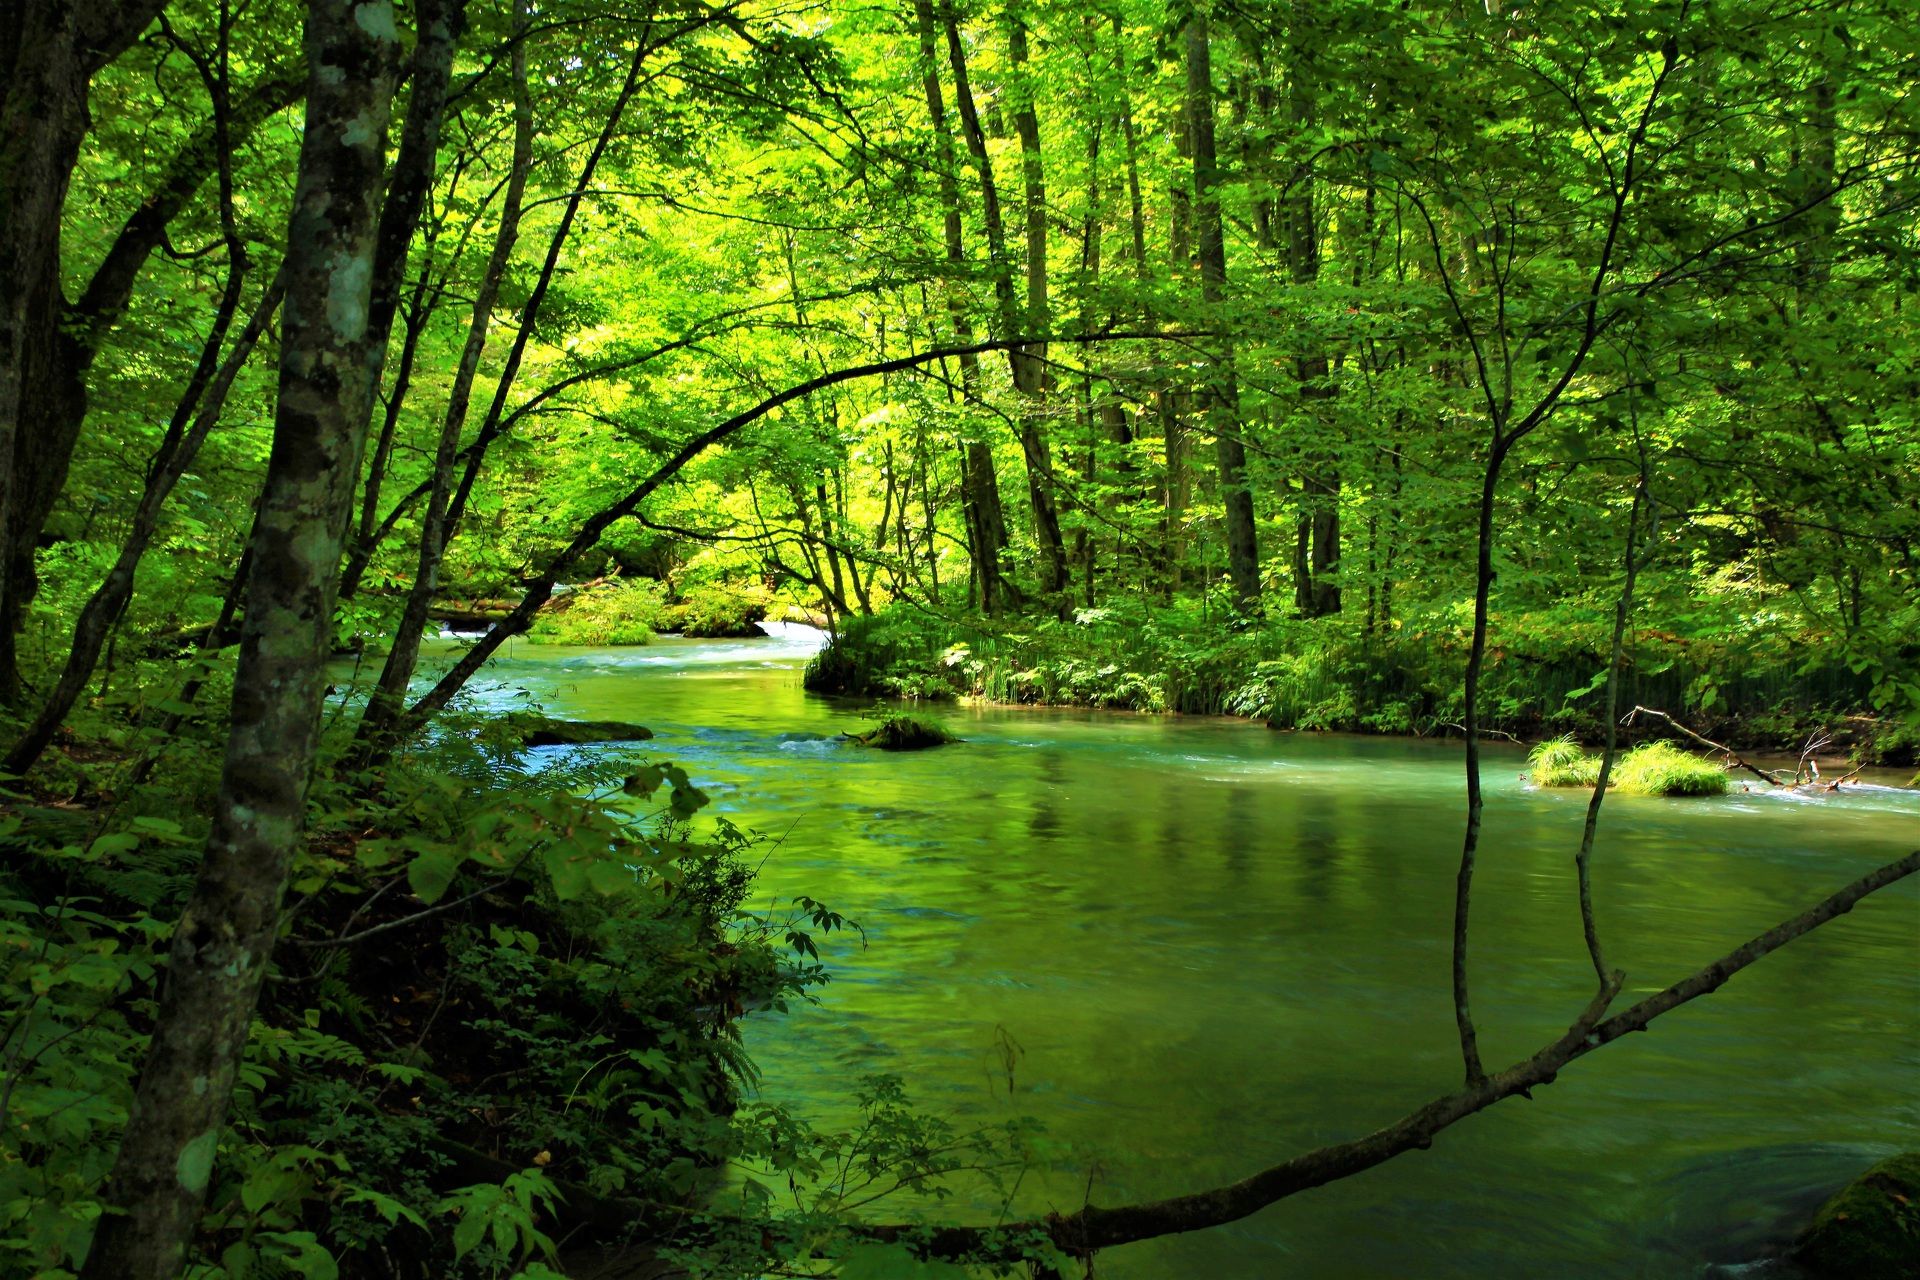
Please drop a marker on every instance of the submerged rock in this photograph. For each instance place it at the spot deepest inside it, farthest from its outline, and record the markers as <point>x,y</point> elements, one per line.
<point>1870,1230</point>
<point>904,733</point>
<point>545,731</point>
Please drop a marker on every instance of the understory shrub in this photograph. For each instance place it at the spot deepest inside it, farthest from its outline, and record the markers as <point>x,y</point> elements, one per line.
<point>557,988</point>
<point>630,611</point>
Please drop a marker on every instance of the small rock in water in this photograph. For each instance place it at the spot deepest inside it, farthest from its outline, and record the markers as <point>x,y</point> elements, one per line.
<point>546,731</point>
<point>904,733</point>
<point>1870,1230</point>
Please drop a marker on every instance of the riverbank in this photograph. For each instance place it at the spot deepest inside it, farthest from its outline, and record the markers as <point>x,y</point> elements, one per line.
<point>511,978</point>
<point>1330,675</point>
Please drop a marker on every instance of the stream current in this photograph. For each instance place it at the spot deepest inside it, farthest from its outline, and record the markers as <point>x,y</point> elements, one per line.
<point>1194,947</point>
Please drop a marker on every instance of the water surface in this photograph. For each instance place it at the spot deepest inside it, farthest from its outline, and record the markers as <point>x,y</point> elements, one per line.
<point>1207,947</point>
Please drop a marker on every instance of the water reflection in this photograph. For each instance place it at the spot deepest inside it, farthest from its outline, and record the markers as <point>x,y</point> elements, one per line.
<point>1219,946</point>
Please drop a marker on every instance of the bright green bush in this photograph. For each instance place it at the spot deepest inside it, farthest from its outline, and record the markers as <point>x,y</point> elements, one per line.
<point>1662,769</point>
<point>1560,762</point>
<point>714,611</point>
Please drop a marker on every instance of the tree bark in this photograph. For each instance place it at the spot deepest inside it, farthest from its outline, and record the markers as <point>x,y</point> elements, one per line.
<point>440,25</point>
<point>979,486</point>
<point>1097,1227</point>
<point>222,942</point>
<point>1038,319</point>
<point>1236,499</point>
<point>49,52</point>
<point>1317,586</point>
<point>492,425</point>
<point>1025,370</point>
<point>388,700</point>
<point>541,589</point>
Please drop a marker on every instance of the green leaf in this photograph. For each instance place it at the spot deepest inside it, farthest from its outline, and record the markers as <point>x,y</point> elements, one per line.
<point>894,1262</point>
<point>429,874</point>
<point>110,846</point>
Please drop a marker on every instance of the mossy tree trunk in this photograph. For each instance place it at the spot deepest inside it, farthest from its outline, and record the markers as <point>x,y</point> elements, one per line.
<point>222,941</point>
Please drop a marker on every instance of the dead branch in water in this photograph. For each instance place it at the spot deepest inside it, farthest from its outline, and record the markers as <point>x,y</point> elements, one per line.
<point>1733,759</point>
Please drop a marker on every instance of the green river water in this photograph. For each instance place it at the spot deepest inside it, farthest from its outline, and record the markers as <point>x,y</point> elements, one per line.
<point>1216,946</point>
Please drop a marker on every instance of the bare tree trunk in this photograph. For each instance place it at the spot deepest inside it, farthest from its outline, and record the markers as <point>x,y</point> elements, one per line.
<point>530,310</point>
<point>49,52</point>
<point>1135,206</point>
<point>979,486</point>
<point>1026,371</point>
<point>1317,587</point>
<point>388,700</point>
<point>223,940</point>
<point>1236,499</point>
<point>846,533</point>
<point>440,24</point>
<point>1038,319</point>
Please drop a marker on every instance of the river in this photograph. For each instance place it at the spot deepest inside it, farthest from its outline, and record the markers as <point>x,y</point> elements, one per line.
<point>1199,947</point>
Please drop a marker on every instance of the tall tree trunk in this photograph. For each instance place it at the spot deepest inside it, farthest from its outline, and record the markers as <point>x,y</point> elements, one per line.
<point>223,940</point>
<point>849,540</point>
<point>1136,208</point>
<point>388,700</point>
<point>1025,370</point>
<point>979,486</point>
<point>530,310</point>
<point>1317,585</point>
<point>1038,319</point>
<point>365,540</point>
<point>49,52</point>
<point>441,23</point>
<point>1236,499</point>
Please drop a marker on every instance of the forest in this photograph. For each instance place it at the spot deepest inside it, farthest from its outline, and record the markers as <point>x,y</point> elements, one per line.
<point>1409,507</point>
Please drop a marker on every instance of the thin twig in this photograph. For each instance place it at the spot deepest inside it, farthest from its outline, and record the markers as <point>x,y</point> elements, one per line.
<point>402,922</point>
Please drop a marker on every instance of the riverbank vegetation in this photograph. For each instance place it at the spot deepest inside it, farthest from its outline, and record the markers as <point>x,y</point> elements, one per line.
<point>1385,366</point>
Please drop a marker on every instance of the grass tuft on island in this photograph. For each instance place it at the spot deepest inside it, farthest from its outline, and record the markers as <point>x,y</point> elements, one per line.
<point>1652,769</point>
<point>1559,762</point>
<point>904,733</point>
<point>1662,769</point>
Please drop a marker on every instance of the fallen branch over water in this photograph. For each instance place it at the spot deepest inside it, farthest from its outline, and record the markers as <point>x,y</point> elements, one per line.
<point>1094,1228</point>
<point>1733,760</point>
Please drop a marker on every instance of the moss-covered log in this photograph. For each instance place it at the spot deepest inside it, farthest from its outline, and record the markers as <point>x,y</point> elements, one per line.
<point>546,731</point>
<point>904,733</point>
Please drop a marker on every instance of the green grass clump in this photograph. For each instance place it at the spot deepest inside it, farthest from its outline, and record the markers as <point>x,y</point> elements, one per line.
<point>1559,762</point>
<point>1662,769</point>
